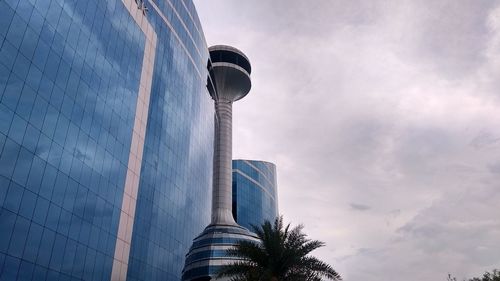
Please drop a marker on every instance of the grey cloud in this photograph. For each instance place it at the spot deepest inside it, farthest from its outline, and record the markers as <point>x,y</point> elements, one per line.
<point>452,34</point>
<point>388,103</point>
<point>359,207</point>
<point>495,168</point>
<point>484,139</point>
<point>460,226</point>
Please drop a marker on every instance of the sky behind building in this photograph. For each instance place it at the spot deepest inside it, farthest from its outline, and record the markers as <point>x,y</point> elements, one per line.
<point>383,120</point>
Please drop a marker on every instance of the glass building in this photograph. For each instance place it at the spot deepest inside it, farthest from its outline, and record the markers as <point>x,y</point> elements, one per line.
<point>106,138</point>
<point>254,192</point>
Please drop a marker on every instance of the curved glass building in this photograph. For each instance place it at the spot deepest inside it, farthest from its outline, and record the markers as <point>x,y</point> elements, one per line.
<point>255,197</point>
<point>106,138</point>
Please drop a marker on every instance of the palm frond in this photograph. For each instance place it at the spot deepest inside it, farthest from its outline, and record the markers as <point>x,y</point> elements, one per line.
<point>320,268</point>
<point>281,255</point>
<point>236,269</point>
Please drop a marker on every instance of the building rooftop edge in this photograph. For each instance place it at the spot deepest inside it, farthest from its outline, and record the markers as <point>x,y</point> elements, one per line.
<point>254,160</point>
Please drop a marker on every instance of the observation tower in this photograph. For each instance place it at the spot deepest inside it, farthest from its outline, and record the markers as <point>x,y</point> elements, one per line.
<point>229,81</point>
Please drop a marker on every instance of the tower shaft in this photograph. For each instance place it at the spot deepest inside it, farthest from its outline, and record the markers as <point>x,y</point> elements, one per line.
<point>229,80</point>
<point>222,173</point>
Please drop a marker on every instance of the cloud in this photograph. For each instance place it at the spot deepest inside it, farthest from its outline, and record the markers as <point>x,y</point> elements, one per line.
<point>484,139</point>
<point>390,103</point>
<point>359,207</point>
<point>495,168</point>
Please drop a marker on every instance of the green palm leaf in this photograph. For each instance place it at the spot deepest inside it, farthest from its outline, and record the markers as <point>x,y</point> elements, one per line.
<point>281,255</point>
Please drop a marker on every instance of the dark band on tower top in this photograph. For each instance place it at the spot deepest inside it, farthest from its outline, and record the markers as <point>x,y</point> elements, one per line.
<point>222,53</point>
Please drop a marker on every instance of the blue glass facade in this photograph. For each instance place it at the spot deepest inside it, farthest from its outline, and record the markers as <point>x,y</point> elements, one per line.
<point>254,192</point>
<point>71,76</point>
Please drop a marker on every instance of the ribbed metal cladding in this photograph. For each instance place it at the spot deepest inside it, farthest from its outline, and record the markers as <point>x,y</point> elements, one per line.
<point>208,252</point>
<point>222,174</point>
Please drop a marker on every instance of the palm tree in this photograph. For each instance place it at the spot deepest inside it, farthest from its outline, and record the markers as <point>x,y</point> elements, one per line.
<point>282,255</point>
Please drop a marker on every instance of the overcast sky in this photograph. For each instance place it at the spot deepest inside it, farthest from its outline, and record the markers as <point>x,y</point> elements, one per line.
<point>383,118</point>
